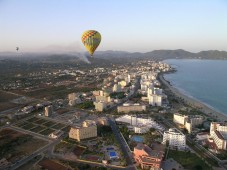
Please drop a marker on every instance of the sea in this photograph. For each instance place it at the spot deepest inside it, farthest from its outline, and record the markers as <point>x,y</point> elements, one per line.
<point>204,80</point>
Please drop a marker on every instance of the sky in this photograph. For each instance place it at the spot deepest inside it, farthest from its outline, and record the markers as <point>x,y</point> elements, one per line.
<point>125,25</point>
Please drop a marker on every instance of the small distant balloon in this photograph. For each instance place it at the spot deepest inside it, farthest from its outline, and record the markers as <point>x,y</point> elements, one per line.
<point>17,48</point>
<point>91,40</point>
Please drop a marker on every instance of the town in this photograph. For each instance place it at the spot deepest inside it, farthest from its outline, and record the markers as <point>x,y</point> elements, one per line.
<point>119,116</point>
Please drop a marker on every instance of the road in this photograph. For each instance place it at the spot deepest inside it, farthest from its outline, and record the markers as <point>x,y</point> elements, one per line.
<point>206,153</point>
<point>36,153</point>
<point>29,132</point>
<point>124,146</point>
<point>87,162</point>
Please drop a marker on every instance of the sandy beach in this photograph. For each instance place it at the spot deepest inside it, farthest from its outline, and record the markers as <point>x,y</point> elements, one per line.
<point>193,102</point>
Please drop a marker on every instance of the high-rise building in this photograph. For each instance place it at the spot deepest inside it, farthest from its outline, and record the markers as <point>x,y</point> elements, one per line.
<point>48,110</point>
<point>155,100</point>
<point>100,106</point>
<point>189,121</point>
<point>179,118</point>
<point>218,131</point>
<point>175,138</point>
<point>116,88</point>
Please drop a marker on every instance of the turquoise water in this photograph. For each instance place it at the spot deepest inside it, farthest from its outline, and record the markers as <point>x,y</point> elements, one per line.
<point>138,139</point>
<point>205,80</point>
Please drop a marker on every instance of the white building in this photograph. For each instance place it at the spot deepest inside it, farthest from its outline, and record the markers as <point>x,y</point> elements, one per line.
<point>141,129</point>
<point>189,121</point>
<point>100,106</point>
<point>140,124</point>
<point>74,98</point>
<point>218,131</point>
<point>56,134</point>
<point>126,107</point>
<point>175,138</point>
<point>155,100</point>
<point>128,78</point>
<point>179,118</point>
<point>219,126</point>
<point>102,99</point>
<point>117,88</point>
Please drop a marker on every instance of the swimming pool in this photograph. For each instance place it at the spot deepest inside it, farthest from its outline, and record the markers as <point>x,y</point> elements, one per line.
<point>112,154</point>
<point>138,139</point>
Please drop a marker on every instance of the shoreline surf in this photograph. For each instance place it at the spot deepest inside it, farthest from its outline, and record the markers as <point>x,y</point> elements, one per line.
<point>194,102</point>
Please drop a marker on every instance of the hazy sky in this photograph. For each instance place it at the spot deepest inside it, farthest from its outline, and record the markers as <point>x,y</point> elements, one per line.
<point>129,25</point>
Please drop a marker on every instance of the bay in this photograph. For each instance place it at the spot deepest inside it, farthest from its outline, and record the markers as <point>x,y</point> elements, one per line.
<point>204,80</point>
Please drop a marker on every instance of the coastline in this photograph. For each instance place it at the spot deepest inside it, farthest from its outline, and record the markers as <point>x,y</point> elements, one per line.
<point>193,102</point>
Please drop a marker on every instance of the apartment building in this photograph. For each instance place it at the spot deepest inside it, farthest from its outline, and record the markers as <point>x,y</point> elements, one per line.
<point>126,108</point>
<point>148,158</point>
<point>218,131</point>
<point>189,121</point>
<point>100,106</point>
<point>87,130</point>
<point>175,138</point>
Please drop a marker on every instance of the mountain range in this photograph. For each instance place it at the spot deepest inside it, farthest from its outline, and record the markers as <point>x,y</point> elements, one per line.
<point>115,56</point>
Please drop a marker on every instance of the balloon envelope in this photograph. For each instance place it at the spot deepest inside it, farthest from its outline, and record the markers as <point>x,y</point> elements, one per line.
<point>91,40</point>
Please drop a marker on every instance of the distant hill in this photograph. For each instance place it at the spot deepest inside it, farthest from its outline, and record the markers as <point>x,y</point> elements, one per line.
<point>164,54</point>
<point>114,56</point>
<point>212,54</point>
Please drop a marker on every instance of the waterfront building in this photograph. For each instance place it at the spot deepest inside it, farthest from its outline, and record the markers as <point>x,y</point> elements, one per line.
<point>179,118</point>
<point>189,121</point>
<point>155,100</point>
<point>218,131</point>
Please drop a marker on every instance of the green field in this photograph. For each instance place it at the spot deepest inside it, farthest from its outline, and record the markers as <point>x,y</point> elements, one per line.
<point>58,126</point>
<point>188,160</point>
<point>37,129</point>
<point>66,129</point>
<point>28,126</point>
<point>33,119</point>
<point>47,131</point>
<point>49,124</point>
<point>41,121</point>
<point>21,124</point>
<point>42,126</point>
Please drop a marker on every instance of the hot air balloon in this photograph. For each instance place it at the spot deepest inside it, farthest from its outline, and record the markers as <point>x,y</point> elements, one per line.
<point>17,48</point>
<point>91,40</point>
